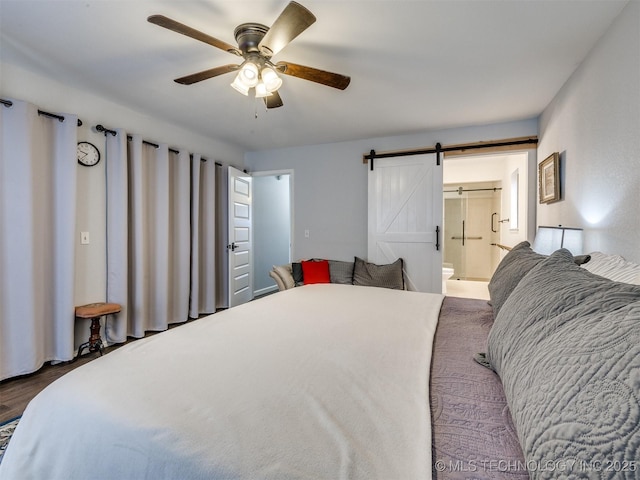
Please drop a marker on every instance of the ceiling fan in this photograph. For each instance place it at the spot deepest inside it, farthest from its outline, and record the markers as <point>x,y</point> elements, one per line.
<point>257,44</point>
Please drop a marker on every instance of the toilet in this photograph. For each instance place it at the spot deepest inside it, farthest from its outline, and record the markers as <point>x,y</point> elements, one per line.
<point>447,272</point>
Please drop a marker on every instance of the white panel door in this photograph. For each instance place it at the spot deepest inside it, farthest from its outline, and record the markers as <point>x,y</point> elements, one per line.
<point>405,209</point>
<point>239,246</point>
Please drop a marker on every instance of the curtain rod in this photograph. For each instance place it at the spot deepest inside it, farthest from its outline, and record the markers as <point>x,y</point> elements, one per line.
<point>107,131</point>
<point>9,103</point>
<point>452,148</point>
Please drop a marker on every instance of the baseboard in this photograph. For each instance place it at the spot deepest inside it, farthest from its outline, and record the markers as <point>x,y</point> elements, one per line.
<point>265,291</point>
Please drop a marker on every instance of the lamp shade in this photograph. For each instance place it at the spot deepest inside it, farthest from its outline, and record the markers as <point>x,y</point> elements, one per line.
<point>248,74</point>
<point>271,79</point>
<point>261,90</point>
<point>550,239</point>
<point>240,86</point>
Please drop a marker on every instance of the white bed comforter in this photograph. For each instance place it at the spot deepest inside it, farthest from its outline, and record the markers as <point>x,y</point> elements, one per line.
<point>318,382</point>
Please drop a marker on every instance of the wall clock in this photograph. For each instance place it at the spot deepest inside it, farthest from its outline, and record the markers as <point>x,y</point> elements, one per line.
<point>87,153</point>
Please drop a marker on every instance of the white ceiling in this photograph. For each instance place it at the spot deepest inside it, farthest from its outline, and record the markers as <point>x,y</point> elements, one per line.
<point>414,65</point>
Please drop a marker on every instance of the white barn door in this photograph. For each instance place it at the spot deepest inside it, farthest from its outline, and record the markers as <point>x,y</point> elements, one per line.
<point>239,246</point>
<point>405,210</point>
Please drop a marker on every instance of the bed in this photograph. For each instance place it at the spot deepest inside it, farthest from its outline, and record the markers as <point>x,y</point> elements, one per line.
<point>333,381</point>
<point>323,381</point>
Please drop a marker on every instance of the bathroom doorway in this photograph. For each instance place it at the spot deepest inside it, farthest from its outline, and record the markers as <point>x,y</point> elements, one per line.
<point>502,217</point>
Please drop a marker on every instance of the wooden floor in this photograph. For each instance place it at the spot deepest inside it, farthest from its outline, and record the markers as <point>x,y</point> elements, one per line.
<point>17,392</point>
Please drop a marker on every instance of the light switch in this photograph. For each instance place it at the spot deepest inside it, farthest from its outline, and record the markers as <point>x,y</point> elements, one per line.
<point>84,238</point>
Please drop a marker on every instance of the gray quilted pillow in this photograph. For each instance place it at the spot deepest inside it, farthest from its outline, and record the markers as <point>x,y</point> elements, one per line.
<point>372,275</point>
<point>566,345</point>
<point>513,267</point>
<point>341,272</point>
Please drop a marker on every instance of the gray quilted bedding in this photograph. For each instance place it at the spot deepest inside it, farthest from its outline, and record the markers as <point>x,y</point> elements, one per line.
<point>566,345</point>
<point>473,435</point>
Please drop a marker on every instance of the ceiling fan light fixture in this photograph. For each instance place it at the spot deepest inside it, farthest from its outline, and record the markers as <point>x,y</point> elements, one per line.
<point>271,79</point>
<point>240,86</point>
<point>262,91</point>
<point>249,74</point>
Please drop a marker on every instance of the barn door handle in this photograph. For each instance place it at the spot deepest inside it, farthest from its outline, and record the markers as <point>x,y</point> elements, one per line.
<point>493,215</point>
<point>437,237</point>
<point>232,247</point>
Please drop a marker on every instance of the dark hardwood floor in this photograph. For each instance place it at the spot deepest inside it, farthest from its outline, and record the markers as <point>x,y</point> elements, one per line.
<point>17,392</point>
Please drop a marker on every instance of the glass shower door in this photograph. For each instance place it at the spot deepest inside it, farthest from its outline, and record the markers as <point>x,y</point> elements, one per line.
<point>469,230</point>
<point>454,232</point>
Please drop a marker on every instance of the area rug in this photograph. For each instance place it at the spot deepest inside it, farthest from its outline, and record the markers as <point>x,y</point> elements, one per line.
<point>6,430</point>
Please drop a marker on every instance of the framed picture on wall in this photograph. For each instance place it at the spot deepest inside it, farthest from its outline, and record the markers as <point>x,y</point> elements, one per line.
<point>549,178</point>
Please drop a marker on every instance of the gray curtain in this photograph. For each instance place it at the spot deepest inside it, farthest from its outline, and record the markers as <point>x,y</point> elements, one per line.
<point>222,237</point>
<point>203,232</point>
<point>148,237</point>
<point>37,219</point>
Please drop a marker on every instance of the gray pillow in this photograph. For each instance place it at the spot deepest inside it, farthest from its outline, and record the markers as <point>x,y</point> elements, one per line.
<point>296,272</point>
<point>515,265</point>
<point>372,275</point>
<point>566,345</point>
<point>555,289</point>
<point>341,272</point>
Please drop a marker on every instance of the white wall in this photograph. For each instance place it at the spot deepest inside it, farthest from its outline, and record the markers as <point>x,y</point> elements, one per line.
<point>594,122</point>
<point>525,164</point>
<point>90,284</point>
<point>330,195</point>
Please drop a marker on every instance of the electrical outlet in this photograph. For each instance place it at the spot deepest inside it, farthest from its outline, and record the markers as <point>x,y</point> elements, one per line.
<point>84,238</point>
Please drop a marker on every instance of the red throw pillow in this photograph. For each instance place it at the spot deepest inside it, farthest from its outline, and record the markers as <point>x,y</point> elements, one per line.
<point>315,272</point>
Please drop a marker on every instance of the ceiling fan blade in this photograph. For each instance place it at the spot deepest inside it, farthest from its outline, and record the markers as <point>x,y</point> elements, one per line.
<point>273,101</point>
<point>178,27</point>
<point>293,20</point>
<point>330,79</point>
<point>206,74</point>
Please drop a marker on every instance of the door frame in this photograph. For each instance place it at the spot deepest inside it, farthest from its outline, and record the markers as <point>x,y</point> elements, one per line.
<point>525,161</point>
<point>274,173</point>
